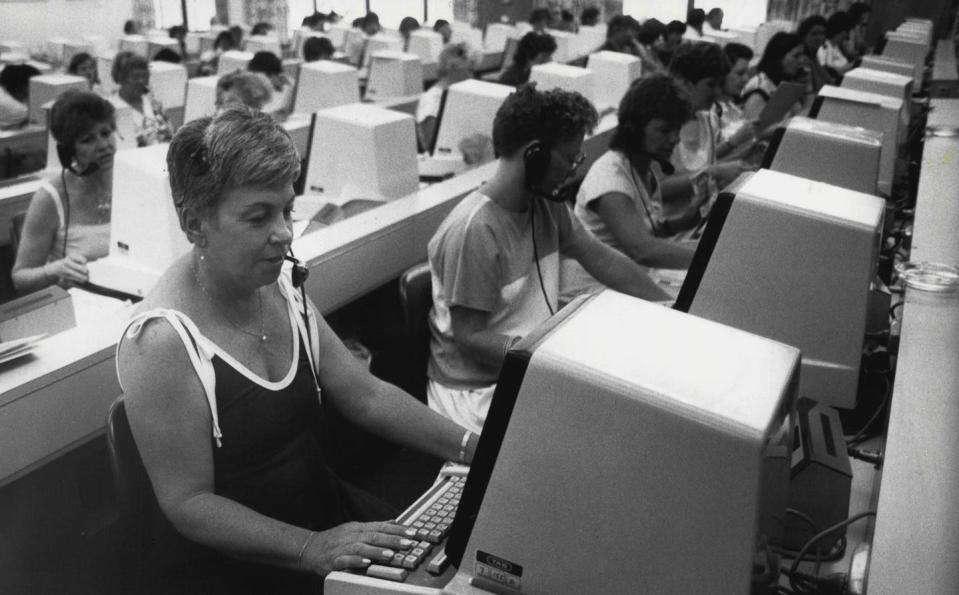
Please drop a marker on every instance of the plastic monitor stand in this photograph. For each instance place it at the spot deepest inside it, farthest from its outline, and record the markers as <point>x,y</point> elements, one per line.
<point>362,151</point>
<point>145,234</point>
<point>811,148</point>
<point>497,34</point>
<point>168,83</point>
<point>200,97</point>
<point>873,112</point>
<point>47,87</point>
<point>325,84</point>
<point>394,74</point>
<point>628,413</point>
<point>613,72</point>
<point>568,78</point>
<point>792,259</point>
<point>426,44</point>
<point>233,60</point>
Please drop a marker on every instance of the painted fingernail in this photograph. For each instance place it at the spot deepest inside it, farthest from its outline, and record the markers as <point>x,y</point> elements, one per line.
<point>366,561</point>
<point>411,532</point>
<point>388,553</point>
<point>406,542</point>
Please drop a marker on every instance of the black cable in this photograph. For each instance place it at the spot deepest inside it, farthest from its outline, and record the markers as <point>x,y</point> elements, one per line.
<point>539,273</point>
<point>860,435</point>
<point>793,569</point>
<point>66,209</point>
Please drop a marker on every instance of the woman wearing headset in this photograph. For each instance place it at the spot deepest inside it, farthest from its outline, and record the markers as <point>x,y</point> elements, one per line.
<point>68,221</point>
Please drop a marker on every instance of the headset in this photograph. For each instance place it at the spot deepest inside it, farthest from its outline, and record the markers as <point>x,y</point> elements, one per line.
<point>298,276</point>
<point>536,161</point>
<point>65,154</point>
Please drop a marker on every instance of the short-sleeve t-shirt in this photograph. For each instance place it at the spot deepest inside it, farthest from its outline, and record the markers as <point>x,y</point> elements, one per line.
<point>483,257</point>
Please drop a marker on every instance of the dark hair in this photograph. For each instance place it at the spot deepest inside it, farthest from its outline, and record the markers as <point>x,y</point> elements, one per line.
<point>650,31</point>
<point>694,62</point>
<point>130,27</point>
<point>674,27</point>
<point>439,24</point>
<point>553,117</point>
<point>531,45</point>
<point>779,45</point>
<point>315,48</point>
<point>261,28</point>
<point>239,147</point>
<point>737,51</point>
<point>620,24</point>
<point>838,22</point>
<point>655,95</point>
<point>225,38</point>
<point>589,16</point>
<point>567,16</point>
<point>371,18</point>
<point>177,32</point>
<point>15,78</point>
<point>266,62</point>
<point>714,12</point>
<point>539,14</point>
<point>808,23</point>
<point>856,10</point>
<point>167,55</point>
<point>358,23</point>
<point>75,113</point>
<point>236,32</point>
<point>695,18</point>
<point>126,62</point>
<point>408,24</point>
<point>78,60</point>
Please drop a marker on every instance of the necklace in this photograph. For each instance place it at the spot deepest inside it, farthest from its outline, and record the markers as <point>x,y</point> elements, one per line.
<point>259,300</point>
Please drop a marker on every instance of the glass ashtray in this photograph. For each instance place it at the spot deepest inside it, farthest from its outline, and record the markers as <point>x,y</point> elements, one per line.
<point>929,276</point>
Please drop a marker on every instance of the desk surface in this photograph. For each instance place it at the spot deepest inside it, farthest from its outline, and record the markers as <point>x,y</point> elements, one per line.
<point>915,542</point>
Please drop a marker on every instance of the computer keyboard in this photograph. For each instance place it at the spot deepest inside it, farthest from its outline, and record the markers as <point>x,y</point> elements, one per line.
<point>431,516</point>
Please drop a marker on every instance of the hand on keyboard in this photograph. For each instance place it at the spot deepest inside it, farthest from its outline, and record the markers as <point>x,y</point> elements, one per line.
<point>356,546</point>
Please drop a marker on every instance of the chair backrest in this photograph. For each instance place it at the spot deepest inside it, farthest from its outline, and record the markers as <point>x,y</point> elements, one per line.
<point>416,299</point>
<point>16,230</point>
<point>135,495</point>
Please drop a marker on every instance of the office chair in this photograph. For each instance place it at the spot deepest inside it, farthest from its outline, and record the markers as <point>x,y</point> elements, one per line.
<point>16,231</point>
<point>416,299</point>
<point>135,496</point>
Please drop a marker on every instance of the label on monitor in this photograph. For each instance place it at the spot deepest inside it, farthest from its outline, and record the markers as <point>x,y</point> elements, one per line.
<point>497,574</point>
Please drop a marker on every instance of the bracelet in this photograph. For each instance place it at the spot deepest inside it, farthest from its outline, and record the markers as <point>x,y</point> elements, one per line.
<point>463,443</point>
<point>306,544</point>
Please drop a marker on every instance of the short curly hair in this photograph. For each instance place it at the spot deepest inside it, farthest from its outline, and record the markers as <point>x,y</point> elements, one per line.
<point>553,117</point>
<point>531,45</point>
<point>653,96</point>
<point>253,89</point>
<point>75,113</point>
<point>126,62</point>
<point>694,62</point>
<point>239,147</point>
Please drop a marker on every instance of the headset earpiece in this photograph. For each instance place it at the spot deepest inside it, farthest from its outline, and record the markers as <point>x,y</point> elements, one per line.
<point>299,273</point>
<point>536,159</point>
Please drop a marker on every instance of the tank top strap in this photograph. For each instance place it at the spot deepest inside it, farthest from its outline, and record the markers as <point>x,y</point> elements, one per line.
<point>55,195</point>
<point>294,299</point>
<point>199,349</point>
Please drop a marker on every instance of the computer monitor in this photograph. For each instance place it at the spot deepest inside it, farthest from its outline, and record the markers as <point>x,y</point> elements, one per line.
<point>566,47</point>
<point>47,87</point>
<point>883,83</point>
<point>589,39</point>
<point>613,72</point>
<point>362,151</point>
<point>72,48</point>
<point>394,74</point>
<point>263,43</point>
<point>569,78</point>
<point>138,44</point>
<point>871,111</point>
<point>145,235</point>
<point>426,44</point>
<point>889,65</point>
<point>792,259</point>
<point>200,97</point>
<point>907,48</point>
<point>468,34</point>
<point>811,149</point>
<point>337,33</point>
<point>168,83</point>
<point>469,109</point>
<point>497,34</point>
<point>325,84</point>
<point>232,60</point>
<point>381,42</point>
<point>605,466</point>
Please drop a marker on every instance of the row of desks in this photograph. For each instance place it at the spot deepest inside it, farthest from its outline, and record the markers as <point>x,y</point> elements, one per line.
<point>915,545</point>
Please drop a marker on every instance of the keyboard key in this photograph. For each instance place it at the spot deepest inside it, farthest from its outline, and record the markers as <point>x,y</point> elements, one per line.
<point>438,564</point>
<point>397,560</point>
<point>434,536</point>
<point>422,534</point>
<point>410,562</point>
<point>418,552</point>
<point>385,572</point>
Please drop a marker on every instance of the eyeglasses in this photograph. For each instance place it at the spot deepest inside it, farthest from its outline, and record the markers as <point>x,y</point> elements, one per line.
<point>575,162</point>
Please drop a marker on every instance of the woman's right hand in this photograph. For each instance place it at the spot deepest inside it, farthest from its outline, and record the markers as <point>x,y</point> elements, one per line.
<point>68,271</point>
<point>353,546</point>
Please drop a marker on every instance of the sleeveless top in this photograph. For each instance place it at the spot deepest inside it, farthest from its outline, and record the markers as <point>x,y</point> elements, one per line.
<point>90,240</point>
<point>268,455</point>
